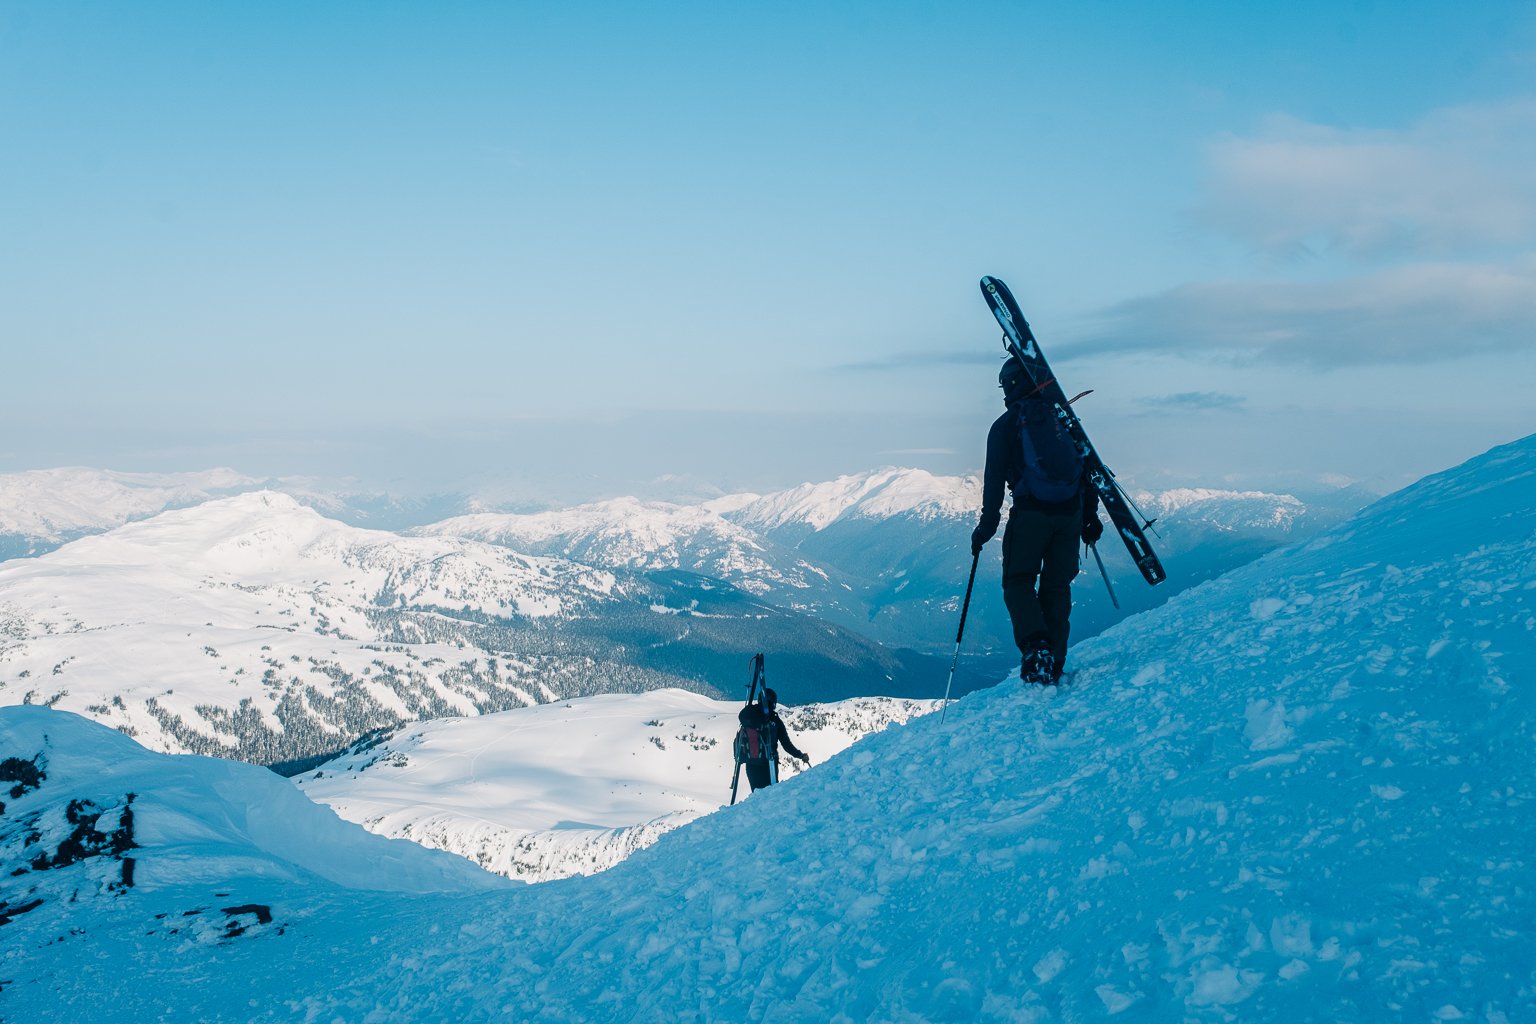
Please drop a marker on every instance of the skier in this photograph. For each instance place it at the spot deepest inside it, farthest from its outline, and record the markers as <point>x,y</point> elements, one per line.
<point>762,733</point>
<point>1054,507</point>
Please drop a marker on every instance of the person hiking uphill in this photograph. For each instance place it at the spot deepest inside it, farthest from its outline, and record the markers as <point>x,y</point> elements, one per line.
<point>1054,507</point>
<point>762,733</point>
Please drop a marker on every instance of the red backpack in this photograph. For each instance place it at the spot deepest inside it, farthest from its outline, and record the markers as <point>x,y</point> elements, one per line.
<point>754,740</point>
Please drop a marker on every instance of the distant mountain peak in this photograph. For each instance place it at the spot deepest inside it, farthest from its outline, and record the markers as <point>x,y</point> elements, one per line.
<point>877,494</point>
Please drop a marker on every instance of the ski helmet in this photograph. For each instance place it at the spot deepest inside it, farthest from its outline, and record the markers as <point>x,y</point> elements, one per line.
<point>1012,379</point>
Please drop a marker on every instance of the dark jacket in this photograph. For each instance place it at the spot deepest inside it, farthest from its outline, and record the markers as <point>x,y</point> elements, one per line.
<point>781,735</point>
<point>1005,465</point>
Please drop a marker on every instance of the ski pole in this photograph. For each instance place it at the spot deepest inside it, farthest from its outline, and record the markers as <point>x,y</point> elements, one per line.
<point>1112,599</point>
<point>964,609</point>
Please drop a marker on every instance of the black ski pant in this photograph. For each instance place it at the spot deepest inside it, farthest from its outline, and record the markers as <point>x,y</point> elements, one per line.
<point>1039,564</point>
<point>759,772</point>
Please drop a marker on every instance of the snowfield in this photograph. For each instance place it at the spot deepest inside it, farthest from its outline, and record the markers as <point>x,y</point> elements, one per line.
<point>572,787</point>
<point>1303,791</point>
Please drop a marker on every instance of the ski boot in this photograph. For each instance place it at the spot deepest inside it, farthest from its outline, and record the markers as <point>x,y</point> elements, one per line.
<point>1038,666</point>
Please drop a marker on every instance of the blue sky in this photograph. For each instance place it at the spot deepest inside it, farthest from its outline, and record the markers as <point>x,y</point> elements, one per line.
<point>564,251</point>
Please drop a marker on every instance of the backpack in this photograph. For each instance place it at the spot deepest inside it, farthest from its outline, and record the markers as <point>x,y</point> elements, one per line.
<point>754,741</point>
<point>1053,466</point>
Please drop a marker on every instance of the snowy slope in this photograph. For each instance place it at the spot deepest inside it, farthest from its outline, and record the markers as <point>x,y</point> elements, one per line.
<point>189,855</point>
<point>574,787</point>
<point>1306,791</point>
<point>186,819</point>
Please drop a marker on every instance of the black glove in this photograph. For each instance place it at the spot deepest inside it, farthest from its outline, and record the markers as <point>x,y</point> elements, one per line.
<point>986,528</point>
<point>1093,529</point>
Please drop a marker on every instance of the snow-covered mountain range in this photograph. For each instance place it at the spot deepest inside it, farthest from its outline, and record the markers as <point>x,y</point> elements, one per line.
<point>571,787</point>
<point>1303,791</point>
<point>886,552</point>
<point>627,533</point>
<point>883,494</point>
<point>254,627</point>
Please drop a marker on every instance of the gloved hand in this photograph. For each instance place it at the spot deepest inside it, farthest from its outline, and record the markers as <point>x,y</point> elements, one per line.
<point>979,538</point>
<point>807,760</point>
<point>1093,529</point>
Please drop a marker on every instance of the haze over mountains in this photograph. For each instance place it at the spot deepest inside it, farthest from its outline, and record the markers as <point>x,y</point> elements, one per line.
<point>1303,791</point>
<point>258,625</point>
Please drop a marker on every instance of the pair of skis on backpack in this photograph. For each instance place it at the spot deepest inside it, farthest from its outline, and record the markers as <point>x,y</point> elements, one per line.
<point>754,740</point>
<point>1020,342</point>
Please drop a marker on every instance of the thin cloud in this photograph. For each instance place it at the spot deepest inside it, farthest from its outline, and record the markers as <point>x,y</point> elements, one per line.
<point>1193,401</point>
<point>1424,313</point>
<point>1457,181</point>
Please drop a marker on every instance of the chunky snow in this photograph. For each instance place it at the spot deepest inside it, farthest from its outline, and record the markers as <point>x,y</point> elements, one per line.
<point>573,787</point>
<point>1301,792</point>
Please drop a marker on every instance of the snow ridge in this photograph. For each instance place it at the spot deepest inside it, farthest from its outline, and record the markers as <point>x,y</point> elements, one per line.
<point>259,828</point>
